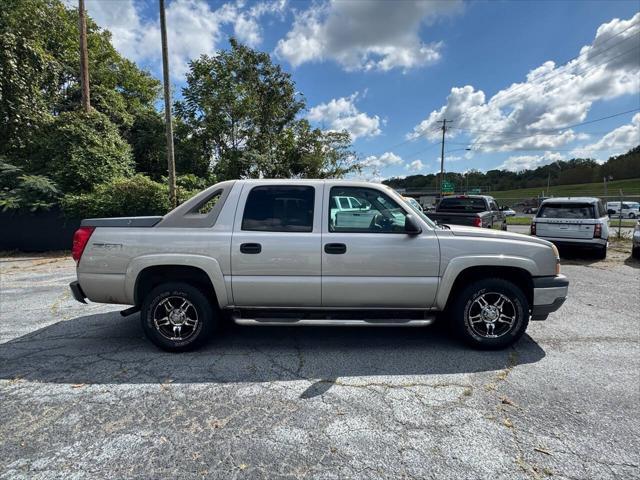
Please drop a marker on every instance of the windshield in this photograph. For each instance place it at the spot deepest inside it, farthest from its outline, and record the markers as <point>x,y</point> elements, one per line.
<point>418,212</point>
<point>463,204</point>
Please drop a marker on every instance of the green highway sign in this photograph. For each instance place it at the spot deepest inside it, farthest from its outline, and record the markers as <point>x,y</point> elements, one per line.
<point>447,187</point>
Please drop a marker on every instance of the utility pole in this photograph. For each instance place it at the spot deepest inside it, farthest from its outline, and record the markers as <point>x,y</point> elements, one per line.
<point>444,130</point>
<point>84,57</point>
<point>167,108</point>
<point>548,180</point>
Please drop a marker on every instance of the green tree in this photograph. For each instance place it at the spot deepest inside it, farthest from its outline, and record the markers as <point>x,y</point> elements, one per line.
<point>39,73</point>
<point>19,191</point>
<point>241,112</point>
<point>79,150</point>
<point>136,195</point>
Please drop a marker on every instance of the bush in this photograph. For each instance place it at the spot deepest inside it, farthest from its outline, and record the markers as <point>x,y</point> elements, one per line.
<point>25,192</point>
<point>121,197</point>
<point>80,150</point>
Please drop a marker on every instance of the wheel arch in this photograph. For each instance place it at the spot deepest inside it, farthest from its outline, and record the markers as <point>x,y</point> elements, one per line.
<point>518,270</point>
<point>146,272</point>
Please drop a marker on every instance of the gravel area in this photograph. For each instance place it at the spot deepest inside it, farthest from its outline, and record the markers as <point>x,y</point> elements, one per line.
<point>84,395</point>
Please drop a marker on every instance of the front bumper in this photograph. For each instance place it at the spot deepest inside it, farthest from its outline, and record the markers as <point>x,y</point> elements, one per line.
<point>549,293</point>
<point>76,291</point>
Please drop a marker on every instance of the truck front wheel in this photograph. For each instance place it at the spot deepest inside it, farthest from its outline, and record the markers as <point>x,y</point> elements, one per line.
<point>490,314</point>
<point>177,316</point>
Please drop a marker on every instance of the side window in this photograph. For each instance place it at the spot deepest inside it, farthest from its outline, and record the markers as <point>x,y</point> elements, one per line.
<point>601,210</point>
<point>279,209</point>
<point>375,212</point>
<point>205,206</point>
<point>493,206</point>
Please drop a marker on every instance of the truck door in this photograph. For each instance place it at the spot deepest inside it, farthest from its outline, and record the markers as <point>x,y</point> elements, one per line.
<point>368,260</point>
<point>275,247</point>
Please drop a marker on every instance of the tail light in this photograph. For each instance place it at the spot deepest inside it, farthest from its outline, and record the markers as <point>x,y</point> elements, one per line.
<point>597,230</point>
<point>80,240</point>
<point>533,228</point>
<point>477,222</point>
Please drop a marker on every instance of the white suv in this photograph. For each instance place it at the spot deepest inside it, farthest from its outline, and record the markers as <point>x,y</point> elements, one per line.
<point>573,222</point>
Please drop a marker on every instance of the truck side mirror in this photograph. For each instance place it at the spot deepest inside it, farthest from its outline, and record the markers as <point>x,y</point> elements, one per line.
<point>411,226</point>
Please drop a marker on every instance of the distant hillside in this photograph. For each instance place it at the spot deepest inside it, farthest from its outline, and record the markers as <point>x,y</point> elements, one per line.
<point>629,187</point>
<point>577,171</point>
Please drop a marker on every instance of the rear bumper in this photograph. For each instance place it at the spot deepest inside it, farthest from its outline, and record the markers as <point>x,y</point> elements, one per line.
<point>549,293</point>
<point>76,291</point>
<point>576,242</point>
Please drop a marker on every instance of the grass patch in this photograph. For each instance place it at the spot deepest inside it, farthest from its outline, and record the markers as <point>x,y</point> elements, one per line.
<point>629,186</point>
<point>518,221</point>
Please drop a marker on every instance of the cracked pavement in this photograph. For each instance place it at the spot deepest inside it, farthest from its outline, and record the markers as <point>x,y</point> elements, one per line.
<point>84,395</point>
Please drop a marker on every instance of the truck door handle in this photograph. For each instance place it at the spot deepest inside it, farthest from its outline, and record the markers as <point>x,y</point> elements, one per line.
<point>250,248</point>
<point>335,248</point>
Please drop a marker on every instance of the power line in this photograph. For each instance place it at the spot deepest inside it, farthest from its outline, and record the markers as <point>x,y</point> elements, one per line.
<point>444,131</point>
<point>565,66</point>
<point>515,134</point>
<point>550,130</point>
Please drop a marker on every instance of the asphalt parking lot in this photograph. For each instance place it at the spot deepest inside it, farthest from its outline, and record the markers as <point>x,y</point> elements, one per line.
<point>84,395</point>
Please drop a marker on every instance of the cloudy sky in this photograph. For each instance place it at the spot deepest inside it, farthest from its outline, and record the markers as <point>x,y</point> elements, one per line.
<point>524,83</point>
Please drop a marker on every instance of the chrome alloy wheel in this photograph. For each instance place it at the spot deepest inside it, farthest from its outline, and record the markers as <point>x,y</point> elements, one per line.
<point>175,318</point>
<point>491,315</point>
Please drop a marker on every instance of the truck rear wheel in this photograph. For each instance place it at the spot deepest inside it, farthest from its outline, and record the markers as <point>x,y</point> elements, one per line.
<point>177,317</point>
<point>490,314</point>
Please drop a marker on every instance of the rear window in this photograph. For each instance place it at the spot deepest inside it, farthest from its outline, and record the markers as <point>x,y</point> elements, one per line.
<point>566,210</point>
<point>463,204</point>
<point>279,209</point>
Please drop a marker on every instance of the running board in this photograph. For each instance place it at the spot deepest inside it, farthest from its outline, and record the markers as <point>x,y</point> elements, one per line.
<point>396,322</point>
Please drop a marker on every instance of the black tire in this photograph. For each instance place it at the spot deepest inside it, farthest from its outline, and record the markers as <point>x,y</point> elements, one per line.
<point>466,304</point>
<point>174,294</point>
<point>635,253</point>
<point>601,253</point>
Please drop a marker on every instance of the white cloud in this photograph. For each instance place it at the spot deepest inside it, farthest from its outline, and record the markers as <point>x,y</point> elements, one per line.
<point>387,159</point>
<point>342,114</point>
<point>365,34</point>
<point>193,28</point>
<point>450,158</point>
<point>415,166</point>
<point>618,141</point>
<point>529,115</point>
<point>528,162</point>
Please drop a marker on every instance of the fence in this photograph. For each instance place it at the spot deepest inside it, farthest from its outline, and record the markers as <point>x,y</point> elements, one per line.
<point>37,231</point>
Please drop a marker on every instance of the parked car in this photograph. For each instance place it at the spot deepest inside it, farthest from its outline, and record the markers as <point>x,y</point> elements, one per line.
<point>267,253</point>
<point>624,209</point>
<point>635,248</point>
<point>508,212</point>
<point>573,222</point>
<point>473,210</point>
<point>414,203</point>
<point>530,210</point>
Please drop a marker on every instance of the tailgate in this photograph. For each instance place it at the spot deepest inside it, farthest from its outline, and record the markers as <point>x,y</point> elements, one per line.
<point>453,218</point>
<point>564,227</point>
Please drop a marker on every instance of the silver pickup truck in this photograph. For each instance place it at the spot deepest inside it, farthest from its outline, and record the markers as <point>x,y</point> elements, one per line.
<point>282,252</point>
